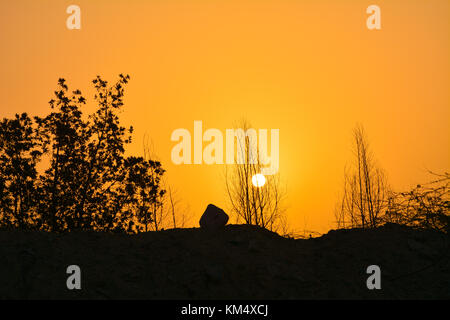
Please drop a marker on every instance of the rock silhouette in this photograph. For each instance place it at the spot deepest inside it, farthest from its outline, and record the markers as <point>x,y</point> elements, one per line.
<point>213,218</point>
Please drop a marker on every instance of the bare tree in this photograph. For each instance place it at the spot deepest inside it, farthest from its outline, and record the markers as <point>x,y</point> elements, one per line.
<point>180,213</point>
<point>365,188</point>
<point>168,210</point>
<point>256,205</point>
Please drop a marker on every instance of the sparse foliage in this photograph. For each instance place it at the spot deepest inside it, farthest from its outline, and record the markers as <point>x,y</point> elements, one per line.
<point>425,206</point>
<point>166,211</point>
<point>365,188</point>
<point>259,206</point>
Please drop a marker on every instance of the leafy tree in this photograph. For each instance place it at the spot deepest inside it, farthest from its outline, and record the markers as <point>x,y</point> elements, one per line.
<point>89,184</point>
<point>142,185</point>
<point>19,153</point>
<point>104,156</point>
<point>64,136</point>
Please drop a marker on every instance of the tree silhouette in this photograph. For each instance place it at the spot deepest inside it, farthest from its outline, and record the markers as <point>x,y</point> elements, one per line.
<point>365,188</point>
<point>104,156</point>
<point>143,187</point>
<point>19,153</point>
<point>89,184</point>
<point>259,206</point>
<point>64,137</point>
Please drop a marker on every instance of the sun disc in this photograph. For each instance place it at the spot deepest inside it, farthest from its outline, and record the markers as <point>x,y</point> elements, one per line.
<point>258,180</point>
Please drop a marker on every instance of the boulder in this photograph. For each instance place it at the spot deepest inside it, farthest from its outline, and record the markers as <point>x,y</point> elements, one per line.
<point>213,218</point>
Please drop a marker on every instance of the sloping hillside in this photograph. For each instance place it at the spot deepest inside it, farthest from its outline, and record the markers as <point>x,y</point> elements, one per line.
<point>237,262</point>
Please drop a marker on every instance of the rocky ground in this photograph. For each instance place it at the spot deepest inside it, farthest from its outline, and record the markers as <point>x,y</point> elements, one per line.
<point>237,262</point>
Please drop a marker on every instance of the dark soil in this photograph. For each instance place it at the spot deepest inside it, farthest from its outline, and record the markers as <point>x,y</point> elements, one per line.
<point>237,262</point>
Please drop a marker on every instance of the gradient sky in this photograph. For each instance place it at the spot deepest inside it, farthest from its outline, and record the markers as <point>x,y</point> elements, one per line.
<point>309,68</point>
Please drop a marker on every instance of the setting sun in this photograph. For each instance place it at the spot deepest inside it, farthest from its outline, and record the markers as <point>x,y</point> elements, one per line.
<point>258,180</point>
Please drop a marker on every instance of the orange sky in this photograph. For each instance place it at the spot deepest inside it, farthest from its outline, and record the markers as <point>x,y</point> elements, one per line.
<point>309,68</point>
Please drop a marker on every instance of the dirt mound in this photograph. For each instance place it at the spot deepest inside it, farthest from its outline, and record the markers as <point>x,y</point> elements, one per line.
<point>237,262</point>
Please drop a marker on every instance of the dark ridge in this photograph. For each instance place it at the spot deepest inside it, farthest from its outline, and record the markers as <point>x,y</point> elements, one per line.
<point>237,262</point>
